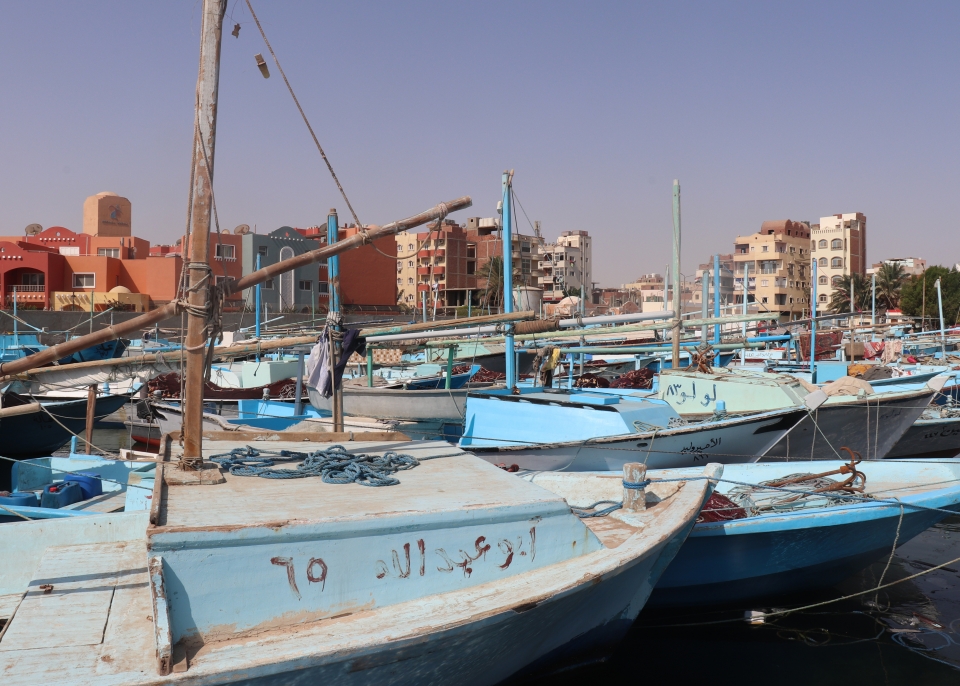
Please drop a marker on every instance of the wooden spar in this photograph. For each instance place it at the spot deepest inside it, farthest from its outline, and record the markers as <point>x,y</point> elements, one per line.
<point>257,346</point>
<point>452,323</point>
<point>56,352</point>
<point>198,294</point>
<point>612,330</point>
<point>368,236</point>
<point>91,415</point>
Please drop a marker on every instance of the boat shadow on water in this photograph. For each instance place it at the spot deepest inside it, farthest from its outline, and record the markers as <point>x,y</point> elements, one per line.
<point>905,634</point>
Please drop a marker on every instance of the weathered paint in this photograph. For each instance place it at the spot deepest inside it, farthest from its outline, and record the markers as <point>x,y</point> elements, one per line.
<point>161,616</point>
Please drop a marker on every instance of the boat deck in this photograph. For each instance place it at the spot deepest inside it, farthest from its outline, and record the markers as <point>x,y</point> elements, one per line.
<point>436,485</point>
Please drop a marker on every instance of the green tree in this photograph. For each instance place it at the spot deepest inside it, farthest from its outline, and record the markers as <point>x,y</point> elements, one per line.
<point>492,272</point>
<point>840,300</point>
<point>918,297</point>
<point>890,280</point>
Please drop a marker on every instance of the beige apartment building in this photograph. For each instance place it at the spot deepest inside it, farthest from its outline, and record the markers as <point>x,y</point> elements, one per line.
<point>839,244</point>
<point>776,259</point>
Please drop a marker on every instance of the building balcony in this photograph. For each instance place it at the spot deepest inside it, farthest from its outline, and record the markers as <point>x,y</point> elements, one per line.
<point>432,253</point>
<point>21,288</point>
<point>426,271</point>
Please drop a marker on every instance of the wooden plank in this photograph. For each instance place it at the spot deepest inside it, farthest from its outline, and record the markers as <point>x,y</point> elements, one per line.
<point>74,611</point>
<point>108,502</point>
<point>8,604</point>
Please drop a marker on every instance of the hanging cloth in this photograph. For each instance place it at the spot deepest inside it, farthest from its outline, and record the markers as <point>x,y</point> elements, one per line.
<point>353,342</point>
<point>318,368</point>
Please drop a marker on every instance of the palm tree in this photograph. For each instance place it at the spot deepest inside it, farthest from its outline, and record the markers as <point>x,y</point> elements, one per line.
<point>492,272</point>
<point>840,300</point>
<point>890,280</point>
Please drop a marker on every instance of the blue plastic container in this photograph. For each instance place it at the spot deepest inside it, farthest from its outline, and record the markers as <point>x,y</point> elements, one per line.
<point>19,500</point>
<point>89,482</point>
<point>60,495</point>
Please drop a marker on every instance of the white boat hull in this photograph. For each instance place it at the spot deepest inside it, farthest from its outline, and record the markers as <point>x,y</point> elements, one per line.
<point>397,403</point>
<point>743,440</point>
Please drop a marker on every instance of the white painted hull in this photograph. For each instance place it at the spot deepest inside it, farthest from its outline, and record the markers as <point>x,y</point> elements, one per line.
<point>870,426</point>
<point>397,403</point>
<point>744,440</point>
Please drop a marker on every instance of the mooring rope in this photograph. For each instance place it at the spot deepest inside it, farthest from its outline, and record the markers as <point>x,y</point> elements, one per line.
<point>333,465</point>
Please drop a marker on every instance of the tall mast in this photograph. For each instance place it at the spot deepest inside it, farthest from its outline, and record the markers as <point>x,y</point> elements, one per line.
<point>200,275</point>
<point>677,280</point>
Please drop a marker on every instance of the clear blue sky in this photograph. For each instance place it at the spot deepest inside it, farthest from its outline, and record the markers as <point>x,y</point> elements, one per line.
<point>762,110</point>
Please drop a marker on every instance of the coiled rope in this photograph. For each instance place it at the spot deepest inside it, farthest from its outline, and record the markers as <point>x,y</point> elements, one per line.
<point>333,465</point>
<point>614,505</point>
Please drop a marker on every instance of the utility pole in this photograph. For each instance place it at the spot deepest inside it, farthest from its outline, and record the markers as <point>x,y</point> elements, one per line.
<point>200,275</point>
<point>676,274</point>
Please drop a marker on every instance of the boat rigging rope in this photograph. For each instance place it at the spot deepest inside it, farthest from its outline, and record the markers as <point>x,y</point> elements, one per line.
<point>333,465</point>
<point>305,120</point>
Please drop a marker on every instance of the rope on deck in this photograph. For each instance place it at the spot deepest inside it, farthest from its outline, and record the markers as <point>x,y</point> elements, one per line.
<point>614,505</point>
<point>333,465</point>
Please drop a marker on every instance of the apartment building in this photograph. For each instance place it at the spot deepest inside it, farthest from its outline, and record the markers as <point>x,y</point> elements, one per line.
<point>565,265</point>
<point>777,263</point>
<point>441,262</point>
<point>839,244</point>
<point>912,266</point>
<point>727,290</point>
<point>484,233</point>
<point>649,293</point>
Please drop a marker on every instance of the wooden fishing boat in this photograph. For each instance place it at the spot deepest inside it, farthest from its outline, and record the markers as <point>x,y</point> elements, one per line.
<point>932,435</point>
<point>869,424</point>
<point>402,404</point>
<point>32,429</point>
<point>581,430</point>
<point>420,582</point>
<point>801,546</point>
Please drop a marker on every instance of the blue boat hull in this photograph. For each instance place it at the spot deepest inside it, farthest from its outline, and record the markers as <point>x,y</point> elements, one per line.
<point>720,570</point>
<point>781,553</point>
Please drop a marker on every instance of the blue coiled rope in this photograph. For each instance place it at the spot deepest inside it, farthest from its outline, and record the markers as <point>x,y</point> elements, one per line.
<point>333,465</point>
<point>591,511</point>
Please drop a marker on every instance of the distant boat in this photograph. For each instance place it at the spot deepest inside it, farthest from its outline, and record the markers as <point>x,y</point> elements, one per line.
<point>582,430</point>
<point>930,436</point>
<point>804,548</point>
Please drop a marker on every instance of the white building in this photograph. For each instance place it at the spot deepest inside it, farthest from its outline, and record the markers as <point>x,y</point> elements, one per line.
<point>839,244</point>
<point>566,264</point>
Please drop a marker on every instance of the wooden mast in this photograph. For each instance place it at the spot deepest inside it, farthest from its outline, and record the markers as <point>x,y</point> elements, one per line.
<point>201,279</point>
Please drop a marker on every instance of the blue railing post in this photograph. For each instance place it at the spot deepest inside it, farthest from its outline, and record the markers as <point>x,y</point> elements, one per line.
<point>507,235</point>
<point>333,263</point>
<point>813,325</point>
<point>716,296</point>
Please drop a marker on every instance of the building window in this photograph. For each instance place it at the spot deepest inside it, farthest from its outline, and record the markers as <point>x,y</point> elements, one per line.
<point>410,263</point>
<point>837,263</point>
<point>823,298</point>
<point>471,251</point>
<point>409,246</point>
<point>763,299</point>
<point>323,287</point>
<point>306,285</point>
<point>471,267</point>
<point>835,281</point>
<point>823,262</point>
<point>764,248</point>
<point>108,252</point>
<point>410,280</point>
<point>34,279</point>
<point>226,251</point>
<point>823,245</point>
<point>262,250</point>
<point>400,247</point>
<point>836,244</point>
<point>764,282</point>
<point>268,284</point>
<point>399,282</point>
<point>822,281</point>
<point>84,280</point>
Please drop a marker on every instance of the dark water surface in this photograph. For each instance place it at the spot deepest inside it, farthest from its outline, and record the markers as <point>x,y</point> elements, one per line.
<point>853,641</point>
